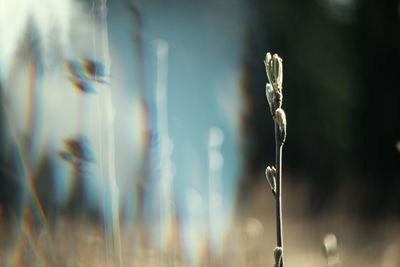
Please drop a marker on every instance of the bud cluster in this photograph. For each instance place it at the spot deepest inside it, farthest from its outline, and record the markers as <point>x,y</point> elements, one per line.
<point>274,70</point>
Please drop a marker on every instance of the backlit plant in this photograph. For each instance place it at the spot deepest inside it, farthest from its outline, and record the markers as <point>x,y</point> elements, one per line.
<point>274,69</point>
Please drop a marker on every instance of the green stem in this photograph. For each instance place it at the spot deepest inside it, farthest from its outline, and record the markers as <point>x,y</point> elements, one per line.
<point>278,199</point>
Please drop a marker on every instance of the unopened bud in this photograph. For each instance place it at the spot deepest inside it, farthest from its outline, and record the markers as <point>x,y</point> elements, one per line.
<point>270,174</point>
<point>268,67</point>
<point>269,91</point>
<point>274,69</point>
<point>278,70</point>
<point>278,256</point>
<point>331,250</point>
<point>280,119</point>
<point>268,58</point>
<point>330,244</point>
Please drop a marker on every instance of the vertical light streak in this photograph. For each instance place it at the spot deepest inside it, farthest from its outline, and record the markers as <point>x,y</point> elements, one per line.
<point>35,73</point>
<point>216,161</point>
<point>166,145</point>
<point>111,191</point>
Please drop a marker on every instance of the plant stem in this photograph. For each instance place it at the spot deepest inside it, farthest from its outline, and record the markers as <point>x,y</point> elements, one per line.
<point>278,200</point>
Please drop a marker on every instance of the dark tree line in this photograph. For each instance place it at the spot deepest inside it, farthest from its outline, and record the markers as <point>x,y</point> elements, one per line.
<point>341,97</point>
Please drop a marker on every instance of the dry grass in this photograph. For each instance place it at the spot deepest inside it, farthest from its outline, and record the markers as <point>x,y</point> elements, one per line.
<point>250,241</point>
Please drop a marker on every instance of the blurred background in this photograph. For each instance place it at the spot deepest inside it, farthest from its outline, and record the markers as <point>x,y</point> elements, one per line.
<point>137,133</point>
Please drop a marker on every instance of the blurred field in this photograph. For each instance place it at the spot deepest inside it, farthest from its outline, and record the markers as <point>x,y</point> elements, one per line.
<point>251,239</point>
<point>209,129</point>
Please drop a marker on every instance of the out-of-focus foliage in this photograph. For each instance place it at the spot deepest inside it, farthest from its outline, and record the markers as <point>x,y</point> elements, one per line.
<point>340,96</point>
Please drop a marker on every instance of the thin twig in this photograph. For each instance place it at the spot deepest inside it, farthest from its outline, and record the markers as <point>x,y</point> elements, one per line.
<point>278,199</point>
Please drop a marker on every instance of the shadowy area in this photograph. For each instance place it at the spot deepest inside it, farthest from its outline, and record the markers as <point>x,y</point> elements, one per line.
<point>340,94</point>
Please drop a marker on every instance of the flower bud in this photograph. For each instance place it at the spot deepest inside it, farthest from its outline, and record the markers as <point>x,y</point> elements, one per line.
<point>331,250</point>
<point>270,174</point>
<point>268,58</point>
<point>280,119</point>
<point>274,69</point>
<point>278,256</point>
<point>269,91</point>
<point>268,67</point>
<point>278,70</point>
<point>330,244</point>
